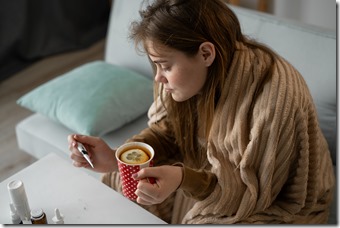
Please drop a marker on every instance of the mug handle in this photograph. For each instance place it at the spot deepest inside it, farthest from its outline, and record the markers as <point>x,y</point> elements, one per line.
<point>151,180</point>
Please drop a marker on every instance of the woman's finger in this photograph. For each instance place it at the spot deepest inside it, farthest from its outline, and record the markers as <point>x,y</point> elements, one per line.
<point>80,164</point>
<point>147,172</point>
<point>143,198</point>
<point>77,156</point>
<point>70,138</point>
<point>143,202</point>
<point>73,147</point>
<point>147,191</point>
<point>85,139</point>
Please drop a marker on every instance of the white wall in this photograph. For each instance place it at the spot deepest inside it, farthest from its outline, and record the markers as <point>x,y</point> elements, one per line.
<point>317,12</point>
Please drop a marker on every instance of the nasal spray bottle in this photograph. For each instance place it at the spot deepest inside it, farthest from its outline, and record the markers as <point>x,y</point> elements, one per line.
<point>14,215</point>
<point>19,200</point>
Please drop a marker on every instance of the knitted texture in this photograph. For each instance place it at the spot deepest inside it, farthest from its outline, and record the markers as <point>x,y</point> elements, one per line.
<point>271,159</point>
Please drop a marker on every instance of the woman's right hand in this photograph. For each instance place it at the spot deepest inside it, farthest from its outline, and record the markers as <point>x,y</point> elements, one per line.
<point>101,155</point>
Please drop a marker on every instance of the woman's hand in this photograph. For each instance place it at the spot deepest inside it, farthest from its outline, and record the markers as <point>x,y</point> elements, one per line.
<point>101,155</point>
<point>168,178</point>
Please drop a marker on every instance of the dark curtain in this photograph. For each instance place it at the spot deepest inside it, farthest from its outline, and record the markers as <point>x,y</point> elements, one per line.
<point>33,29</point>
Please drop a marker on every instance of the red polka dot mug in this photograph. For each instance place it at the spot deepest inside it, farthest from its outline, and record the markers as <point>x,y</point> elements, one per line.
<point>132,157</point>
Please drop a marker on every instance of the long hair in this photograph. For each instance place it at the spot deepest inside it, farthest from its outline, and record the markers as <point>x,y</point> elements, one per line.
<point>184,25</point>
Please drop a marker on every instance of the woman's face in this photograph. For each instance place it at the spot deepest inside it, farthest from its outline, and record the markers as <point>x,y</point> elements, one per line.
<point>182,76</point>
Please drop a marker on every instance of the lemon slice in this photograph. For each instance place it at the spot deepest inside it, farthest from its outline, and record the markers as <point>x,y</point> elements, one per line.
<point>134,156</point>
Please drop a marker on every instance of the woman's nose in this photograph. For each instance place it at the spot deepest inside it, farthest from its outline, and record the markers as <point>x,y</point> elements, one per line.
<point>159,77</point>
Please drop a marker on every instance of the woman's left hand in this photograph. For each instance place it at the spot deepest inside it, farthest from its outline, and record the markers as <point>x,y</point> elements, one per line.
<point>167,180</point>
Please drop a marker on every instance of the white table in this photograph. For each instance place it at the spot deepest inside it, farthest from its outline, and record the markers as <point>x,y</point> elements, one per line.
<point>52,182</point>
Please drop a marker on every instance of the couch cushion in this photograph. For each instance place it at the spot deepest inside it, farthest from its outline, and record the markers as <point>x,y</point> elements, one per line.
<point>93,99</point>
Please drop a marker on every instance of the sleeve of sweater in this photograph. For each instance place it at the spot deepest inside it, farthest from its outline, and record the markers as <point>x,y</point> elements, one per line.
<point>197,184</point>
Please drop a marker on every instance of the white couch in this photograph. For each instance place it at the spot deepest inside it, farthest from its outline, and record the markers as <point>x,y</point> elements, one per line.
<point>310,49</point>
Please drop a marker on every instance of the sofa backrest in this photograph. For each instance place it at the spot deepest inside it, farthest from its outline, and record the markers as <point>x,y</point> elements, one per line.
<point>310,49</point>
<point>120,49</point>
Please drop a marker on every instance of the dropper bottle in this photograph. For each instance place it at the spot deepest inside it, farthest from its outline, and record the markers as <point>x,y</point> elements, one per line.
<point>58,218</point>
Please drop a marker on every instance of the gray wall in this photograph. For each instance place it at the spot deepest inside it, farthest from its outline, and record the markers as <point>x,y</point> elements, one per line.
<point>317,12</point>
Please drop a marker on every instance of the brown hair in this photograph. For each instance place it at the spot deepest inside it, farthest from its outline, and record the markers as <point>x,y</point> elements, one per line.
<point>184,25</point>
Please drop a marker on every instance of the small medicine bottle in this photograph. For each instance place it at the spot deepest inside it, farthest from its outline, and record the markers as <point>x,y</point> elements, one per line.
<point>38,216</point>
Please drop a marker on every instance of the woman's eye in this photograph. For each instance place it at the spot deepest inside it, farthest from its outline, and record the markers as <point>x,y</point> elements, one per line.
<point>166,68</point>
<point>163,68</point>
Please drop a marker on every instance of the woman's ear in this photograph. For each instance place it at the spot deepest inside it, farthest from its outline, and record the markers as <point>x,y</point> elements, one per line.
<point>207,51</point>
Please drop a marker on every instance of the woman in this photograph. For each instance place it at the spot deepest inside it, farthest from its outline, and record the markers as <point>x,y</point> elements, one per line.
<point>233,125</point>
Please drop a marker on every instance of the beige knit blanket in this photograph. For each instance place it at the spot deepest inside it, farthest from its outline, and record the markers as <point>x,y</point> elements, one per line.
<point>274,167</point>
<point>270,157</point>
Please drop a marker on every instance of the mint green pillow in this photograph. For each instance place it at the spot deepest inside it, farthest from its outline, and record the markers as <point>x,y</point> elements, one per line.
<point>93,99</point>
